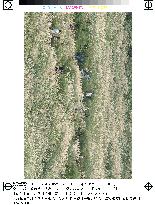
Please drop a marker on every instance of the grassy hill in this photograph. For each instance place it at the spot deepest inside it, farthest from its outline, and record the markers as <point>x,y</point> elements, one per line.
<point>69,135</point>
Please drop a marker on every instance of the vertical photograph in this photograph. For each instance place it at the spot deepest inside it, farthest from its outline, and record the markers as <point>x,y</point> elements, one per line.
<point>78,95</point>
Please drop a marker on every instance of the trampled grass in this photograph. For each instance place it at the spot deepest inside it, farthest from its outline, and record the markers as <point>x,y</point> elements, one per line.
<point>69,135</point>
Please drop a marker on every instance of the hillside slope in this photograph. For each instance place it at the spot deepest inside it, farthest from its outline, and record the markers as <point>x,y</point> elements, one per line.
<point>69,134</point>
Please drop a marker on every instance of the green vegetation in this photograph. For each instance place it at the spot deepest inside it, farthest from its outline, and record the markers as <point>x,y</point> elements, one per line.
<point>69,135</point>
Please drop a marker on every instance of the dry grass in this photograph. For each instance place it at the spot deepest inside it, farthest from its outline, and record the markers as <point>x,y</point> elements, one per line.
<point>60,141</point>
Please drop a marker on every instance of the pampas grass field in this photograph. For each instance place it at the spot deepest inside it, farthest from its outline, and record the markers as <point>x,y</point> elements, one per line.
<point>67,134</point>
